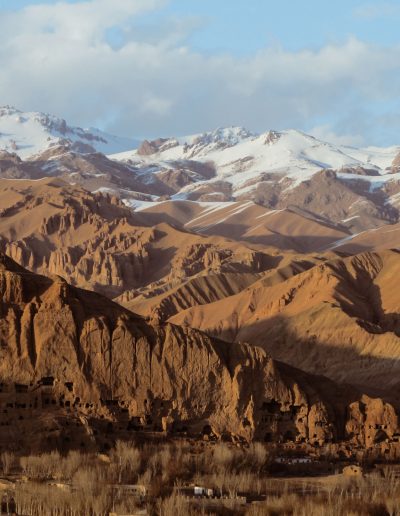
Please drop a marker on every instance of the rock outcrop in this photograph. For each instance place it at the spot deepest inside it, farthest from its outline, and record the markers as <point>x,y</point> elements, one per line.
<point>96,242</point>
<point>78,354</point>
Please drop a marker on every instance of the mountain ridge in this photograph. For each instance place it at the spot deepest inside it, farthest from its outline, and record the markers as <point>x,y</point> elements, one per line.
<point>30,133</point>
<point>98,361</point>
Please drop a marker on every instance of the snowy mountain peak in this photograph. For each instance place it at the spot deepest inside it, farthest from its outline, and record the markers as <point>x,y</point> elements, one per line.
<point>8,111</point>
<point>233,163</point>
<point>226,135</point>
<point>29,133</point>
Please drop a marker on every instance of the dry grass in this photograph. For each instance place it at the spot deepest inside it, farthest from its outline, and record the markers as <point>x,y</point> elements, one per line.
<point>165,468</point>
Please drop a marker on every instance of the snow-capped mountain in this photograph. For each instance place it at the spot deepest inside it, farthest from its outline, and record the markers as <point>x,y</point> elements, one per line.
<point>355,188</point>
<point>29,133</point>
<point>242,158</point>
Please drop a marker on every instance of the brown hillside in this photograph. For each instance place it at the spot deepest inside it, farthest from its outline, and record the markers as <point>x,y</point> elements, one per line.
<point>340,319</point>
<point>96,242</point>
<point>70,353</point>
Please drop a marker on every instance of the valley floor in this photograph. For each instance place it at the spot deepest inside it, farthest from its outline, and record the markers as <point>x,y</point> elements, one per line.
<point>185,478</point>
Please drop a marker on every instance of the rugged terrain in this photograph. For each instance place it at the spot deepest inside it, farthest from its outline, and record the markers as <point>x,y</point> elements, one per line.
<point>65,349</point>
<point>356,188</point>
<point>346,189</point>
<point>29,133</point>
<point>96,242</point>
<point>340,318</point>
<point>248,281</point>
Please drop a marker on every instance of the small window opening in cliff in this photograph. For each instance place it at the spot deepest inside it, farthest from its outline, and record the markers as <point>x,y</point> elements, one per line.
<point>289,436</point>
<point>268,437</point>
<point>207,430</point>
<point>245,422</point>
<point>106,447</point>
<point>380,436</point>
<point>69,386</point>
<point>273,407</point>
<point>47,381</point>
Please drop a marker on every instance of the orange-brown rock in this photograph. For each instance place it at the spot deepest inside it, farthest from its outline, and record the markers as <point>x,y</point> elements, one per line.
<point>340,319</point>
<point>96,242</point>
<point>73,348</point>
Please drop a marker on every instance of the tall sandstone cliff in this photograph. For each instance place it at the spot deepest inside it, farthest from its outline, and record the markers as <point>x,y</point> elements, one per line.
<point>111,364</point>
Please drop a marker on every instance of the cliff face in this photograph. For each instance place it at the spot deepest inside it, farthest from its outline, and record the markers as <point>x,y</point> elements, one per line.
<point>94,241</point>
<point>102,361</point>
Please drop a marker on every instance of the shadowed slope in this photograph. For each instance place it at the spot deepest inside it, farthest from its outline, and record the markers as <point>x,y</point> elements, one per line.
<point>110,363</point>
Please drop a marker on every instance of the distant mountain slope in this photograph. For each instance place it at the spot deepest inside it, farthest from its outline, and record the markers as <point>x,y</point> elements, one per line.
<point>340,318</point>
<point>96,242</point>
<point>347,189</point>
<point>384,237</point>
<point>278,170</point>
<point>29,133</point>
<point>286,229</point>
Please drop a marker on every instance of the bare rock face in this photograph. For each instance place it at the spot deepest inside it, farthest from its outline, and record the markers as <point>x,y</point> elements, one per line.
<point>272,137</point>
<point>198,257</point>
<point>87,357</point>
<point>94,241</point>
<point>371,421</point>
<point>353,471</point>
<point>396,164</point>
<point>147,148</point>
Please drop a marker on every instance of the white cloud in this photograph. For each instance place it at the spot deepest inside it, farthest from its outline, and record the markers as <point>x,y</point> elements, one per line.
<point>326,133</point>
<point>58,58</point>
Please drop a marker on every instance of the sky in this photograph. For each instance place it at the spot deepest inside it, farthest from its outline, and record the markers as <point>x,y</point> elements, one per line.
<point>150,68</point>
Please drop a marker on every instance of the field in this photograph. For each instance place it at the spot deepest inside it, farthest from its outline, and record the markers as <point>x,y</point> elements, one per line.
<point>159,479</point>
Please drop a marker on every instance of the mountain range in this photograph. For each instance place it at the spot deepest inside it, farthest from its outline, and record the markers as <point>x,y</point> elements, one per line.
<point>265,264</point>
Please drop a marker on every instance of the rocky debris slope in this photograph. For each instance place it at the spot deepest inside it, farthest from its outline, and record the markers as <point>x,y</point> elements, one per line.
<point>340,319</point>
<point>208,288</point>
<point>94,241</point>
<point>83,354</point>
<point>284,229</point>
